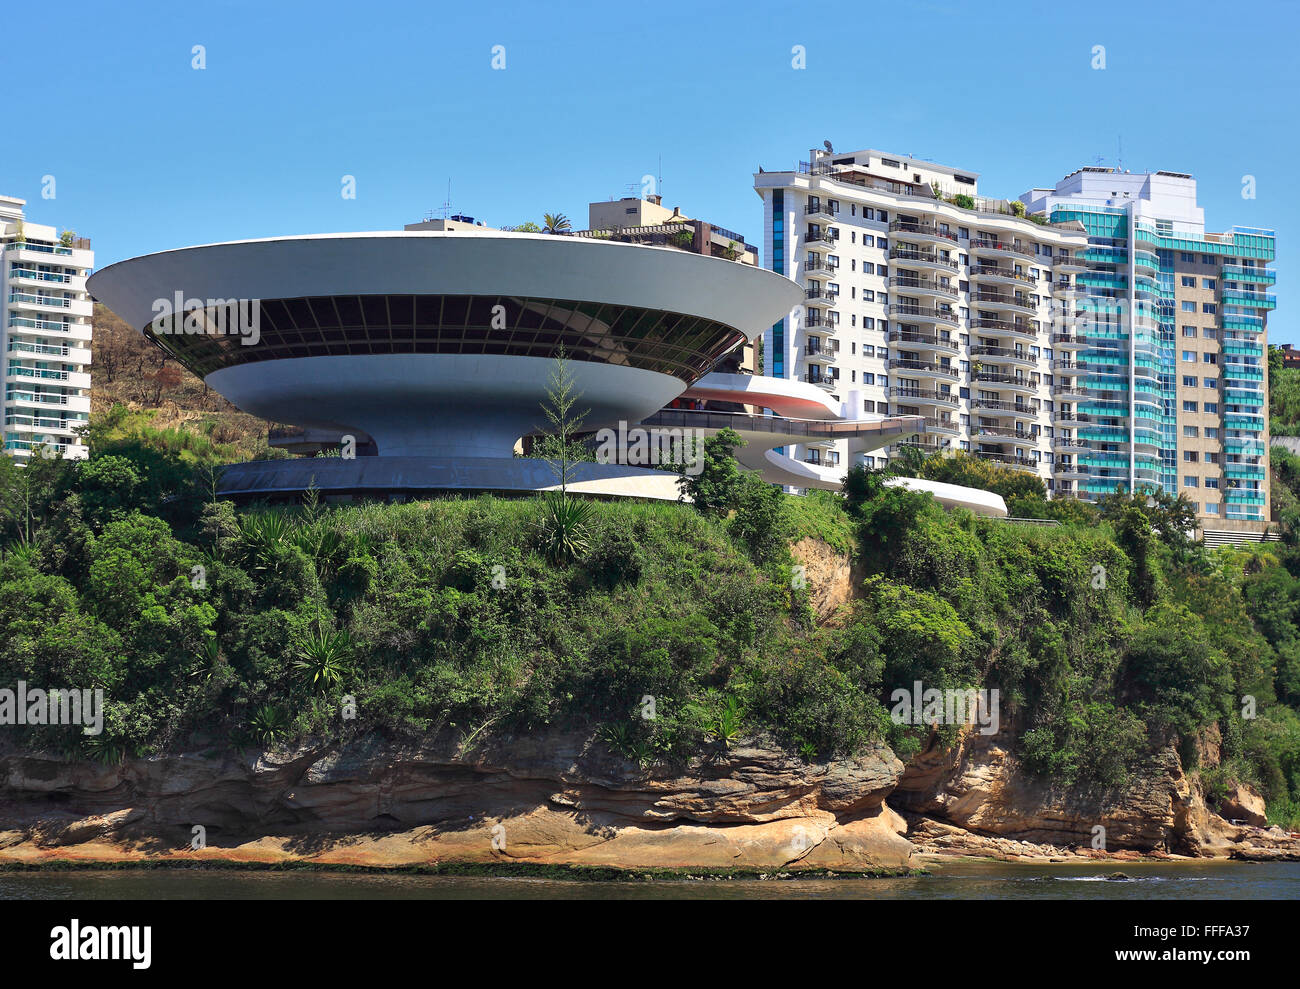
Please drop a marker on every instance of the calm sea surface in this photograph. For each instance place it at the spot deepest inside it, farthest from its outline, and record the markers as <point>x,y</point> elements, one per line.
<point>959,881</point>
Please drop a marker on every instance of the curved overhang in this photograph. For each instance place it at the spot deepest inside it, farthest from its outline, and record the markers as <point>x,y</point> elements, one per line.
<point>450,262</point>
<point>784,396</point>
<point>443,343</point>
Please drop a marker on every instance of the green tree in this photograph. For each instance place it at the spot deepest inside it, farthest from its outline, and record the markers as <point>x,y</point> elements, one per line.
<point>715,490</point>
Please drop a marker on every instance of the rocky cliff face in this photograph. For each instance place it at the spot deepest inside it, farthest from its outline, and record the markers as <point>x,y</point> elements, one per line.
<point>554,799</point>
<point>561,799</point>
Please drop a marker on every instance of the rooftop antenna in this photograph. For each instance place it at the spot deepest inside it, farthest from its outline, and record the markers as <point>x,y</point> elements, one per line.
<point>446,203</point>
<point>1119,160</point>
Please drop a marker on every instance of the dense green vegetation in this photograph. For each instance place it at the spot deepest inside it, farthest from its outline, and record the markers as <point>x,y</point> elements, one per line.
<point>1107,636</point>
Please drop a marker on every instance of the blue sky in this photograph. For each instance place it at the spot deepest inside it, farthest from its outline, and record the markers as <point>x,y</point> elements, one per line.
<point>149,153</point>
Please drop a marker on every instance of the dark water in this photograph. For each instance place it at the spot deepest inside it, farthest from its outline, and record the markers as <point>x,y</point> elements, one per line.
<point>958,881</point>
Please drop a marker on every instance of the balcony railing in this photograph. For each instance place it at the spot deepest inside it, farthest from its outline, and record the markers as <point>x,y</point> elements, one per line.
<point>922,339</point>
<point>1003,246</point>
<point>923,285</point>
<point>923,312</point>
<point>921,229</point>
<point>921,257</point>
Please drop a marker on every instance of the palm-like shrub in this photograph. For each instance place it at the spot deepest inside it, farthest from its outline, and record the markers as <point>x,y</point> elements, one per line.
<point>322,659</point>
<point>268,724</point>
<point>564,528</point>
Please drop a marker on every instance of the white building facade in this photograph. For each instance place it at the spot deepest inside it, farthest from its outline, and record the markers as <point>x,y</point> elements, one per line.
<point>45,327</point>
<point>924,298</point>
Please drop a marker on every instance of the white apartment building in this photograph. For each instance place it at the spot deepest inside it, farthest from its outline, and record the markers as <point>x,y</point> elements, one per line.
<point>45,316</point>
<point>924,298</point>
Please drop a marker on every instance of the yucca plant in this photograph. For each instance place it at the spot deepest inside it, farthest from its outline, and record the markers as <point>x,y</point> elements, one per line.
<point>565,527</point>
<point>553,223</point>
<point>104,750</point>
<point>322,658</point>
<point>263,536</point>
<point>268,724</point>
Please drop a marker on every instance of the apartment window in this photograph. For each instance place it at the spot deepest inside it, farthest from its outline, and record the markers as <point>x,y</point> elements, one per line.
<point>882,215</point>
<point>1209,358</point>
<point>868,295</point>
<point>1211,509</point>
<point>1212,383</point>
<point>1209,332</point>
<point>1189,331</point>
<point>853,321</point>
<point>963,233</point>
<point>965,446</point>
<point>853,376</point>
<point>1207,283</point>
<point>868,240</point>
<point>1207,259</point>
<point>853,264</point>
<point>1212,482</point>
<point>882,243</point>
<point>1189,406</point>
<point>1211,432</point>
<point>868,406</point>
<point>964,366</point>
<point>1189,281</point>
<point>1190,482</point>
<point>868,268</point>
<point>1188,305</point>
<point>868,324</point>
<point>1189,381</point>
<point>884,381</point>
<point>1187,257</point>
<point>1209,308</point>
<point>1211,407</point>
<point>1189,356</point>
<point>853,237</point>
<point>853,209</point>
<point>1191,432</point>
<point>868,378</point>
<point>1190,457</point>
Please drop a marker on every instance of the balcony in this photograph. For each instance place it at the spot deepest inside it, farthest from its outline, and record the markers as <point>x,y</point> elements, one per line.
<point>1005,354</point>
<point>928,341</point>
<point>941,425</point>
<point>926,259</point>
<point>819,354</point>
<point>922,231</point>
<point>39,277</point>
<point>929,396</point>
<point>822,380</point>
<point>1019,435</point>
<point>1000,409</point>
<point>1070,444</point>
<point>923,286</point>
<point>1068,263</point>
<point>923,313</point>
<point>1008,459</point>
<point>817,298</point>
<point>1000,248</point>
<point>1255,275</point>
<point>1015,382</point>
<point>1068,469</point>
<point>1004,327</point>
<point>998,300</point>
<point>821,238</point>
<point>819,211</point>
<point>924,368</point>
<point>1068,341</point>
<point>994,273</point>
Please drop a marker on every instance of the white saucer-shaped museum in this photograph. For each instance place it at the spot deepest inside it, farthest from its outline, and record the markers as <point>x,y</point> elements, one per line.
<point>441,344</point>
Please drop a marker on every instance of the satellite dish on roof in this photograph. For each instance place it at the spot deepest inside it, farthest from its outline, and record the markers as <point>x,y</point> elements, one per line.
<point>829,149</point>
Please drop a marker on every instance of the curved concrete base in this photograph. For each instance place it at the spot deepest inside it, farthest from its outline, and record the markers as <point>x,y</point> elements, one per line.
<point>420,476</point>
<point>437,405</point>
